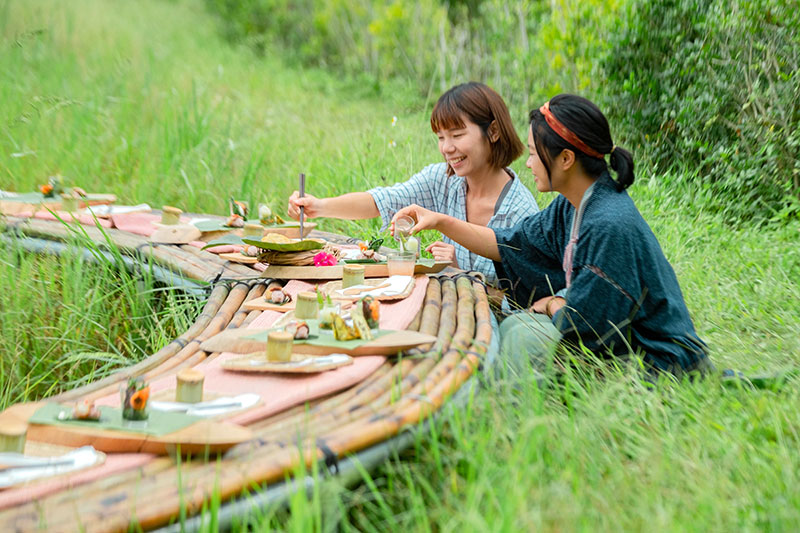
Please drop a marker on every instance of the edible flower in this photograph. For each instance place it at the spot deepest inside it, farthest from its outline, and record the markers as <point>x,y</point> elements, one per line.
<point>324,259</point>
<point>139,398</point>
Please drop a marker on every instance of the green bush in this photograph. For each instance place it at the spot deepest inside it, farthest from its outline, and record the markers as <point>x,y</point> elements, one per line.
<point>528,50</point>
<point>710,88</point>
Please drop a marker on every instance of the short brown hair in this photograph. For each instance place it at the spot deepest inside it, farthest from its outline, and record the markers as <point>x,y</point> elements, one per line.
<point>481,105</point>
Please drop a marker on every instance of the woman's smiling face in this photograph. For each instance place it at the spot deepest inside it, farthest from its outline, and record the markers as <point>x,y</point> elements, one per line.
<point>466,149</point>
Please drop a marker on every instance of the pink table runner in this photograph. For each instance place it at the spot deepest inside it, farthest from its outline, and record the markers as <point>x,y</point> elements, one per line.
<point>278,392</point>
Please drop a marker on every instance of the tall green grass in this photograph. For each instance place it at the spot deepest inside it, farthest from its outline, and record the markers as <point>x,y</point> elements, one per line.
<point>66,322</point>
<point>145,101</point>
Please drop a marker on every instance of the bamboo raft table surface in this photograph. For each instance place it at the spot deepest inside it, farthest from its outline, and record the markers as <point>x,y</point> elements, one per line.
<point>454,316</point>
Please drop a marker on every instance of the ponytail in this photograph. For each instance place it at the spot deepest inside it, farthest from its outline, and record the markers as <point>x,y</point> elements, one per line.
<point>572,122</point>
<point>622,163</point>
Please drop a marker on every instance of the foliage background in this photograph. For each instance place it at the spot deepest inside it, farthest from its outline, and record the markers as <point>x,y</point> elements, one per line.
<point>147,101</point>
<point>708,87</point>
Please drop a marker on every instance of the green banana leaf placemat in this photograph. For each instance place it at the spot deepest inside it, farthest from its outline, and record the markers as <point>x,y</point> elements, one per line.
<point>323,337</point>
<point>157,424</point>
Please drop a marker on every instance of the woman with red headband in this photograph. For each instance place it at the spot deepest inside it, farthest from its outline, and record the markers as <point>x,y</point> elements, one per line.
<point>589,264</point>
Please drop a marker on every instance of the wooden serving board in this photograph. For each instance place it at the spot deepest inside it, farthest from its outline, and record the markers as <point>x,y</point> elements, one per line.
<point>299,364</point>
<point>290,230</point>
<point>32,202</point>
<point>237,257</point>
<point>234,340</point>
<point>201,437</point>
<point>377,270</point>
<point>261,304</point>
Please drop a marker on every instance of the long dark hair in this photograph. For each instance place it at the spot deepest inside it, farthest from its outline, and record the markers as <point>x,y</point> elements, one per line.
<point>584,119</point>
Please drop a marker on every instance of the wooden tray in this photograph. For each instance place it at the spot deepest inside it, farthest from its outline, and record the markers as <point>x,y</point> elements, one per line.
<point>215,229</point>
<point>261,304</point>
<point>233,340</point>
<point>377,270</point>
<point>202,436</point>
<point>31,202</point>
<point>299,364</point>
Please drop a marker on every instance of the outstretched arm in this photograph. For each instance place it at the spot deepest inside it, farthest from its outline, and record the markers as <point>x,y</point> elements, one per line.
<point>350,206</point>
<point>474,237</point>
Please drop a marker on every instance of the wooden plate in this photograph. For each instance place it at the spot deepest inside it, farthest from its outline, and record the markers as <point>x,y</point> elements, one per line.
<point>331,287</point>
<point>31,202</point>
<point>202,436</point>
<point>233,340</point>
<point>237,257</point>
<point>299,364</point>
<point>261,304</point>
<point>377,270</point>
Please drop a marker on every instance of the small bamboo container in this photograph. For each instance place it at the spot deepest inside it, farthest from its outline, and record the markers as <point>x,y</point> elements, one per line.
<point>190,386</point>
<point>306,306</point>
<point>279,346</point>
<point>12,437</point>
<point>352,275</point>
<point>254,230</point>
<point>170,216</point>
<point>69,203</point>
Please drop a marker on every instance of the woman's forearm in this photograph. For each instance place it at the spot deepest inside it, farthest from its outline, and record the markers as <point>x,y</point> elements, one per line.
<point>350,206</point>
<point>474,237</point>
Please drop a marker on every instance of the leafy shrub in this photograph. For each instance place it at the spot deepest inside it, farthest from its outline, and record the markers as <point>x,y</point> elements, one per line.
<point>528,50</point>
<point>711,87</point>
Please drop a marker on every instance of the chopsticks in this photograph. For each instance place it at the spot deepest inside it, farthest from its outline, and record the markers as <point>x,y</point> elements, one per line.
<point>302,209</point>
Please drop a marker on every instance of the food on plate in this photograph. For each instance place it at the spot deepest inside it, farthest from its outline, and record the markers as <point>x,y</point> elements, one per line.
<point>267,217</point>
<point>299,329</point>
<point>85,410</point>
<point>277,296</point>
<point>134,402</point>
<point>370,309</point>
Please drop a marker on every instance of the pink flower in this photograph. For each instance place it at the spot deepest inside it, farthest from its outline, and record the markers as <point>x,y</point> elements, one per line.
<point>324,259</point>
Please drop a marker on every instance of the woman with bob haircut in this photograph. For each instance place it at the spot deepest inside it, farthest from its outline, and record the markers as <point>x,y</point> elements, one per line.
<point>478,141</point>
<point>589,262</point>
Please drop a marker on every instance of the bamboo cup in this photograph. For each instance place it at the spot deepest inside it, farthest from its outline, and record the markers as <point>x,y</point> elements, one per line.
<point>170,216</point>
<point>12,437</point>
<point>190,386</point>
<point>279,346</point>
<point>352,275</point>
<point>307,306</point>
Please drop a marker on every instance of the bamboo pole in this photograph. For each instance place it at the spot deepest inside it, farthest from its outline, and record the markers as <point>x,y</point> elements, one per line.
<point>270,461</point>
<point>215,301</point>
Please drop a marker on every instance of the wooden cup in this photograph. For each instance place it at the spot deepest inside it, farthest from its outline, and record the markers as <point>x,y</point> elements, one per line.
<point>279,346</point>
<point>352,275</point>
<point>12,437</point>
<point>189,387</point>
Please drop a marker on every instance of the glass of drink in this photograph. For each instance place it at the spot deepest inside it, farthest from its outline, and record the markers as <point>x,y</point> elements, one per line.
<point>401,263</point>
<point>402,230</point>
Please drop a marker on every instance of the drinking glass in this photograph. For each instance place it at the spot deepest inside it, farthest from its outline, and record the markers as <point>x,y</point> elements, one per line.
<point>401,263</point>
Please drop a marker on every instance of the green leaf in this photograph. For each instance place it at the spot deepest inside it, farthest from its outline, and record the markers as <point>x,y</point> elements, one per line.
<point>297,246</point>
<point>225,239</point>
<point>212,225</point>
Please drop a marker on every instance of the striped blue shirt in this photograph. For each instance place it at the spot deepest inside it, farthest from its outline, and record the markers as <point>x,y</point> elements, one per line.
<point>432,189</point>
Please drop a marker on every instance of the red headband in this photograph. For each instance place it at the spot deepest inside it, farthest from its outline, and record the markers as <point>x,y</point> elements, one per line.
<point>565,134</point>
